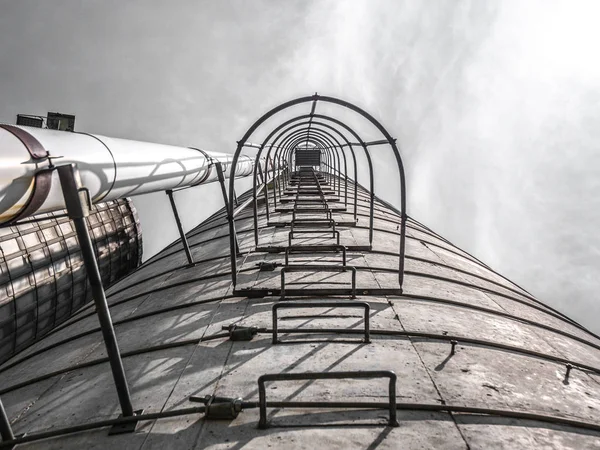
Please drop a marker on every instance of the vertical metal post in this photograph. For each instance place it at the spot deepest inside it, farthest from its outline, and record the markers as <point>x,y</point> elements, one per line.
<point>275,186</point>
<point>5,428</point>
<point>372,194</point>
<point>260,172</point>
<point>266,184</point>
<point>228,207</point>
<point>77,210</point>
<point>184,241</point>
<point>255,200</point>
<point>266,193</point>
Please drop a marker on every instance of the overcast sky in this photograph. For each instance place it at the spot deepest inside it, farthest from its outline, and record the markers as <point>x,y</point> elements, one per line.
<point>495,104</point>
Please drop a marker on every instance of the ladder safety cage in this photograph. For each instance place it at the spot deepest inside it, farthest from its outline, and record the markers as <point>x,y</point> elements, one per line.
<point>308,166</point>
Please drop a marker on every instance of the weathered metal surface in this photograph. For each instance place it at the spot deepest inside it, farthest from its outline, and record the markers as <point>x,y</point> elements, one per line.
<point>510,354</point>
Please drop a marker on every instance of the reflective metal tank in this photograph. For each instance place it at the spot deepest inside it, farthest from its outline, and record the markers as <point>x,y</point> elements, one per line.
<point>42,277</point>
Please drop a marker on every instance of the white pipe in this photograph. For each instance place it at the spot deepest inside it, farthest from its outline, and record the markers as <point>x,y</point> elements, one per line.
<point>110,168</point>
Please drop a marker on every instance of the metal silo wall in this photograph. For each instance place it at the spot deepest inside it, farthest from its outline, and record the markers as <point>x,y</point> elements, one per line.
<point>42,277</point>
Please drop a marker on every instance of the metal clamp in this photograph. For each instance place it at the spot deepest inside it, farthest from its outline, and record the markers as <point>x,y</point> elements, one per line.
<point>333,304</point>
<point>238,333</point>
<point>266,266</point>
<point>220,408</point>
<point>367,374</point>
<point>320,268</point>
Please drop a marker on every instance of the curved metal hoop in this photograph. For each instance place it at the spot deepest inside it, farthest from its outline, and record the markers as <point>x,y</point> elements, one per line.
<point>281,168</point>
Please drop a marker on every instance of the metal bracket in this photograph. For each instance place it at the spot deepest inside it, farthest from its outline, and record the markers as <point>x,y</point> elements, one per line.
<point>453,343</point>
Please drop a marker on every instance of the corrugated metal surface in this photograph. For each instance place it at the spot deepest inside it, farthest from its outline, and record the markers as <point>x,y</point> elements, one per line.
<point>510,353</point>
<point>42,277</point>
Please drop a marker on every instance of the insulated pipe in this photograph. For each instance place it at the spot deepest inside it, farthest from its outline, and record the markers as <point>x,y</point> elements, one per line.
<point>110,168</point>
